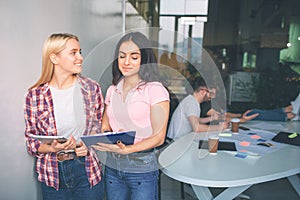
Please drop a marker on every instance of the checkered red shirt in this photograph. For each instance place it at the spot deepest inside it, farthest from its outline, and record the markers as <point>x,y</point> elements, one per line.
<point>39,120</point>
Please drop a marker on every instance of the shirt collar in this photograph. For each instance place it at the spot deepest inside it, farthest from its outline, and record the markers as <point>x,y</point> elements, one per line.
<point>83,84</point>
<point>119,86</point>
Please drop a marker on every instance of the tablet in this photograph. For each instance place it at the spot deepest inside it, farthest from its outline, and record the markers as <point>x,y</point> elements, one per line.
<point>48,139</point>
<point>126,137</point>
<point>223,145</point>
<point>287,138</point>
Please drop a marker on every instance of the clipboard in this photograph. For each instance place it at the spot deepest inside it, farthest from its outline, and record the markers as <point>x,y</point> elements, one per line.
<point>287,138</point>
<point>126,137</point>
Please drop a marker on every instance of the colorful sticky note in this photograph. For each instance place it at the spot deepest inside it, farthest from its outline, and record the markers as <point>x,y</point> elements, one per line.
<point>241,155</point>
<point>261,140</point>
<point>255,137</point>
<point>244,143</point>
<point>250,153</point>
<point>225,134</point>
<point>293,135</point>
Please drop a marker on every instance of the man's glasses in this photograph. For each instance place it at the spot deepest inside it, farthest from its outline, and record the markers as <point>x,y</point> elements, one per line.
<point>211,92</point>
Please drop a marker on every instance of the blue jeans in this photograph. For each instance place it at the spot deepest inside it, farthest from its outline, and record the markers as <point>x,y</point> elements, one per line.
<point>73,183</point>
<point>133,176</point>
<point>277,114</point>
<point>131,186</point>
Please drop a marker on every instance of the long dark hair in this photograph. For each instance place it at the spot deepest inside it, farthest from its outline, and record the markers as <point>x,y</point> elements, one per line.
<point>148,68</point>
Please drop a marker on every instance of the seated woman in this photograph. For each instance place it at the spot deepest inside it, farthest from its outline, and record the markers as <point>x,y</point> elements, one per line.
<point>290,112</point>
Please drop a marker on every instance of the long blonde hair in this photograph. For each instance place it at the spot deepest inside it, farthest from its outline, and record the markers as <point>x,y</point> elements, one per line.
<point>54,44</point>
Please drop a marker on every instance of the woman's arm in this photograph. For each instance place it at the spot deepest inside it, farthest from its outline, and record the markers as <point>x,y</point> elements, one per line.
<point>105,123</point>
<point>159,118</point>
<point>159,114</point>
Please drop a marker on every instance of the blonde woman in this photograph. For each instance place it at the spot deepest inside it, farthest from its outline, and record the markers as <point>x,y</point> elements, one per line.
<point>63,103</point>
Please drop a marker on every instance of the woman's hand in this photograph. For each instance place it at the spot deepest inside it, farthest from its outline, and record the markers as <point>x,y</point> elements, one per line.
<point>81,149</point>
<point>119,148</point>
<point>57,146</point>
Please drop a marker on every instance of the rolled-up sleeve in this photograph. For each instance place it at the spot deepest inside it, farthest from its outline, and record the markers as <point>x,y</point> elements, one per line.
<point>30,110</point>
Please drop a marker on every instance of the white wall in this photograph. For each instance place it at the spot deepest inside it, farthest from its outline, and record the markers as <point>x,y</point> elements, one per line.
<point>24,25</point>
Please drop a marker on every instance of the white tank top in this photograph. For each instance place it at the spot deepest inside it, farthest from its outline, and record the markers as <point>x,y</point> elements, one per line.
<point>69,111</point>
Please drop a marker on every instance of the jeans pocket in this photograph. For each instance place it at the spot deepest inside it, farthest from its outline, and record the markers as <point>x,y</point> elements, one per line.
<point>143,161</point>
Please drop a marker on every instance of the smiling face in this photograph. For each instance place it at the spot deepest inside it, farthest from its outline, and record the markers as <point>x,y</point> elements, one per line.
<point>129,59</point>
<point>69,60</point>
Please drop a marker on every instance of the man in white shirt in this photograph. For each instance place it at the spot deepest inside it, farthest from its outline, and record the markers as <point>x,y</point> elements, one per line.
<point>186,117</point>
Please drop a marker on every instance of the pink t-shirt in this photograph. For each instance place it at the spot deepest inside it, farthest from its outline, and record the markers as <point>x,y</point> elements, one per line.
<point>134,112</point>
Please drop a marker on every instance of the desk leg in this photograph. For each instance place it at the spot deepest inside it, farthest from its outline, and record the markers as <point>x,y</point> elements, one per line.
<point>204,193</point>
<point>232,192</point>
<point>295,181</point>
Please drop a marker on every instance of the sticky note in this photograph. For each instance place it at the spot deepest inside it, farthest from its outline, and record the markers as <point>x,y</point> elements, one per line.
<point>225,134</point>
<point>244,143</point>
<point>255,137</point>
<point>241,155</point>
<point>293,135</point>
<point>250,153</point>
<point>261,140</point>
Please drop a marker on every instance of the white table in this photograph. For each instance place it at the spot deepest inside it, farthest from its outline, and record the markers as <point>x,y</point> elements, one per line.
<point>180,161</point>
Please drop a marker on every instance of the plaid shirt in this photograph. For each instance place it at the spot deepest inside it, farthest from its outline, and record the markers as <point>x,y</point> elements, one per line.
<point>39,120</point>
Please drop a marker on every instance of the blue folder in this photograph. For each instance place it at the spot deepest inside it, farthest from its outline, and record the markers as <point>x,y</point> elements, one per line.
<point>126,137</point>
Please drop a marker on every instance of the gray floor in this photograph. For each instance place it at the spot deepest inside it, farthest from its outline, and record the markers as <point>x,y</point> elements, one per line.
<point>274,190</point>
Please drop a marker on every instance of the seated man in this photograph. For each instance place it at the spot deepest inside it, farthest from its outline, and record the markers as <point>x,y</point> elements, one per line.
<point>290,112</point>
<point>186,117</point>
